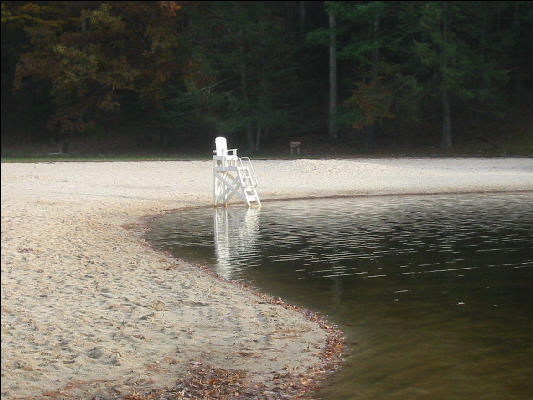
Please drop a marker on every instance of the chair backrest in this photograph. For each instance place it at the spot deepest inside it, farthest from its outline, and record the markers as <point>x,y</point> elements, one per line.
<point>221,146</point>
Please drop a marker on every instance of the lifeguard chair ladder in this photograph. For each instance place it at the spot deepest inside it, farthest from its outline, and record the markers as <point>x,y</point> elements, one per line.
<point>233,176</point>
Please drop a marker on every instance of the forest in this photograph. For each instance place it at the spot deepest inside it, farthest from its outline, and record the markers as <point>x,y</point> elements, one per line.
<point>344,78</point>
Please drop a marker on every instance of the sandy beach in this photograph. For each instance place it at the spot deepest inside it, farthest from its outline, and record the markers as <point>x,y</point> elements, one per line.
<point>89,309</point>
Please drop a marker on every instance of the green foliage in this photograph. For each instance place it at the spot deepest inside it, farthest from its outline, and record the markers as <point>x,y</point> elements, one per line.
<point>362,43</point>
<point>94,130</point>
<point>240,63</point>
<point>457,56</point>
<point>320,37</point>
<point>401,55</point>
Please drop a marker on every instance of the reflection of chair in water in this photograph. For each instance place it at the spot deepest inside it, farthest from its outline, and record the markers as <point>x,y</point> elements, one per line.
<point>233,177</point>
<point>235,234</point>
<point>221,236</point>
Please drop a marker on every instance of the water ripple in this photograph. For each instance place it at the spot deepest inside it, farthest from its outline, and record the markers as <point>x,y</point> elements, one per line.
<point>435,290</point>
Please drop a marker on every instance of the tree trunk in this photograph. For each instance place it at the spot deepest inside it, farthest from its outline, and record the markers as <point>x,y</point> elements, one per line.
<point>257,139</point>
<point>265,101</point>
<point>249,138</point>
<point>517,73</point>
<point>332,128</point>
<point>244,90</point>
<point>370,135</point>
<point>83,19</point>
<point>107,128</point>
<point>302,17</point>
<point>64,145</point>
<point>446,140</point>
<point>371,131</point>
<point>83,27</point>
<point>163,138</point>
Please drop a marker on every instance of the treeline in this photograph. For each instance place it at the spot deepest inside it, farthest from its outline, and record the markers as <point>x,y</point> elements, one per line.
<point>183,72</point>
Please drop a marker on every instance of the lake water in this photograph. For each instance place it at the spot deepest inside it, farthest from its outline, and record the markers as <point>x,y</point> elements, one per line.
<point>434,293</point>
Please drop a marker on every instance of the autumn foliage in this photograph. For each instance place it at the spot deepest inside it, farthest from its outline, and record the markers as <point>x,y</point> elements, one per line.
<point>258,71</point>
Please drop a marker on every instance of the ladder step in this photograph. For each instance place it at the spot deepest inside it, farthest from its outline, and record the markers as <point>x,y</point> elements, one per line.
<point>243,184</point>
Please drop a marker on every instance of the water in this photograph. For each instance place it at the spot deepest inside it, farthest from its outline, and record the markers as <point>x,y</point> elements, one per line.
<point>434,293</point>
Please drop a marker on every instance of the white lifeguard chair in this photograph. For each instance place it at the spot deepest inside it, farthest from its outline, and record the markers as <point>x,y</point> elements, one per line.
<point>233,175</point>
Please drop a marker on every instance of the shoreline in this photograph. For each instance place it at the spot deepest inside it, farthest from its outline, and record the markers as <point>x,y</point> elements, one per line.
<point>289,383</point>
<point>348,196</point>
<point>332,355</point>
<point>88,308</point>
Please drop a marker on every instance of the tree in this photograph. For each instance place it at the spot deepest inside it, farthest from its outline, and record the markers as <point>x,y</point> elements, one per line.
<point>95,54</point>
<point>244,68</point>
<point>258,71</point>
<point>332,126</point>
<point>453,61</point>
<point>375,83</point>
<point>18,20</point>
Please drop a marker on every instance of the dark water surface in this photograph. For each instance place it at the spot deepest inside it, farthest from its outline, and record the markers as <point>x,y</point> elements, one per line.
<point>434,293</point>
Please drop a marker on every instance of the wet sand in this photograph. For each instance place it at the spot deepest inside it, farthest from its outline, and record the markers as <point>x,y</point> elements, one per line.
<point>88,308</point>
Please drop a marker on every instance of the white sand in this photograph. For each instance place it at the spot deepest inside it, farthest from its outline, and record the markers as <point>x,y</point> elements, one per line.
<point>88,307</point>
